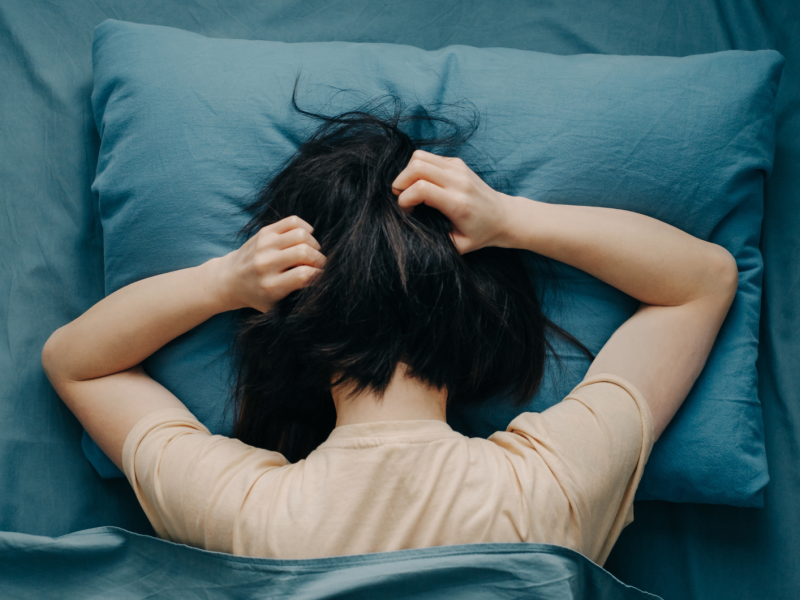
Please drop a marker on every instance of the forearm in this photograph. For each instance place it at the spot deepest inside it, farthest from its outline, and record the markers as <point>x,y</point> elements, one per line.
<point>648,259</point>
<point>123,329</point>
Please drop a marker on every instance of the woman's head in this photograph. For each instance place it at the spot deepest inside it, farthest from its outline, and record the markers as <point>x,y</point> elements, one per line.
<point>394,289</point>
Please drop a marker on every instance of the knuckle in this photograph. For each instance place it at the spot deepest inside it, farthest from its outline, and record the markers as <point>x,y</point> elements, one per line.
<point>263,239</point>
<point>410,192</point>
<point>302,273</point>
<point>265,285</point>
<point>261,262</point>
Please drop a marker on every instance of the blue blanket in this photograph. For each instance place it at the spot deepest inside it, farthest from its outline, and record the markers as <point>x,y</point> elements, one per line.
<point>109,562</point>
<point>51,271</point>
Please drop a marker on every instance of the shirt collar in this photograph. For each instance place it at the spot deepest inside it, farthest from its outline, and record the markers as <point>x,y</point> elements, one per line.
<point>413,430</point>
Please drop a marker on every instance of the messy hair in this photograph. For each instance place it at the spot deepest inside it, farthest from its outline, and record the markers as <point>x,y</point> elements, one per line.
<point>394,288</point>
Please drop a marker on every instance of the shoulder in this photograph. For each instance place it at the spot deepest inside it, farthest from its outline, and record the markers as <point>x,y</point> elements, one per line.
<point>175,436</point>
<point>603,406</point>
<point>592,447</point>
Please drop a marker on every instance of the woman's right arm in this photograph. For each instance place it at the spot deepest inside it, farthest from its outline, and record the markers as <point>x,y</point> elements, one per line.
<point>94,361</point>
<point>685,285</point>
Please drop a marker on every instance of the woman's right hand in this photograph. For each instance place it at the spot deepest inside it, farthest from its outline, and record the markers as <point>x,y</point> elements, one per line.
<point>279,259</point>
<point>480,214</point>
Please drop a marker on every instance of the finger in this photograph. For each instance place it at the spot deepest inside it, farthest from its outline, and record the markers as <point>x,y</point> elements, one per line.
<point>293,237</point>
<point>419,169</point>
<point>443,162</point>
<point>302,254</point>
<point>290,223</point>
<point>296,278</point>
<point>448,163</point>
<point>427,193</point>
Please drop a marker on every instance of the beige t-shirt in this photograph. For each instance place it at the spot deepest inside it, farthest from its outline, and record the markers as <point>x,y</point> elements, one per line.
<point>566,476</point>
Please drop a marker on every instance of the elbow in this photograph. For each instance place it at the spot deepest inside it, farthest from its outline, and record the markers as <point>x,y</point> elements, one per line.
<point>725,275</point>
<point>50,358</point>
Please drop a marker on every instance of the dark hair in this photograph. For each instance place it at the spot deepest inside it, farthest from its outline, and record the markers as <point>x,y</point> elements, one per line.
<point>394,289</point>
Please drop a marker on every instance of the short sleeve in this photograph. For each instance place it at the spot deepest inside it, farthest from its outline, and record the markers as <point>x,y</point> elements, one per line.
<point>595,443</point>
<point>191,484</point>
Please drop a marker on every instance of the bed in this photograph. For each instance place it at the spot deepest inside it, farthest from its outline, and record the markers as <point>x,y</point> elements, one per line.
<point>66,529</point>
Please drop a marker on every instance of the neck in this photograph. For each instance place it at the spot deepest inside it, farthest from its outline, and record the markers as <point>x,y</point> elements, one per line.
<point>405,399</point>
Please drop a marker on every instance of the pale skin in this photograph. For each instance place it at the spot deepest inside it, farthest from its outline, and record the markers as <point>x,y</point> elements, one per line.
<point>685,287</point>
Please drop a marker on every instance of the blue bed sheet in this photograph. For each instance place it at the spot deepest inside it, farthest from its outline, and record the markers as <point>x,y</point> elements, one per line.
<point>51,271</point>
<point>113,563</point>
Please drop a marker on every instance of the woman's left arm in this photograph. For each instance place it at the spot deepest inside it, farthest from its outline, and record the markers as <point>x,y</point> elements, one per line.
<point>94,361</point>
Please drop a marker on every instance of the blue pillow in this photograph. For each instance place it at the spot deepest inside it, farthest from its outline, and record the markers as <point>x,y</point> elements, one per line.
<point>190,125</point>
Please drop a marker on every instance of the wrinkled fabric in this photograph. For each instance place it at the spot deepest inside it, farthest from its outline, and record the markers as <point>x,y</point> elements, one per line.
<point>113,563</point>
<point>51,270</point>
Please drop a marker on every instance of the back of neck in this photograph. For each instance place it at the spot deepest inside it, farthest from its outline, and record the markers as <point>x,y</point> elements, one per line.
<point>405,399</point>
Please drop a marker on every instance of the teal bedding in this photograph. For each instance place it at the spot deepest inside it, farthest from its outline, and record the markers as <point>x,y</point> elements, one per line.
<point>113,563</point>
<point>51,269</point>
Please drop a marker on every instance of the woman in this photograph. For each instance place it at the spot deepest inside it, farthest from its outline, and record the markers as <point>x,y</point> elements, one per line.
<point>382,289</point>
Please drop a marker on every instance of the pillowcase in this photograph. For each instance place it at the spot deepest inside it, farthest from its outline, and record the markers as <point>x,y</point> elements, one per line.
<point>191,125</point>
